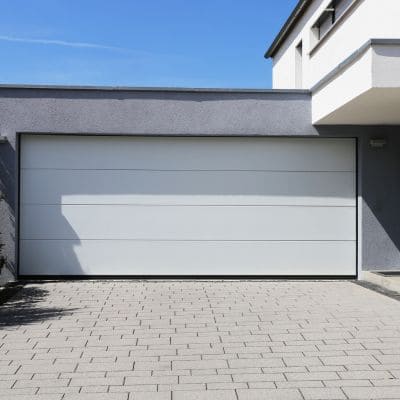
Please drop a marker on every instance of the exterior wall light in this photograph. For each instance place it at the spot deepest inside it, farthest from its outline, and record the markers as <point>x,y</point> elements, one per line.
<point>377,143</point>
<point>3,139</point>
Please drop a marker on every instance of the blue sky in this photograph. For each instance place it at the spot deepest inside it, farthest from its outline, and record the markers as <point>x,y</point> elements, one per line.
<point>189,43</point>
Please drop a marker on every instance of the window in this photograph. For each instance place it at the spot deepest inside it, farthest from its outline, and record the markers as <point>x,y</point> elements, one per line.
<point>299,66</point>
<point>327,19</point>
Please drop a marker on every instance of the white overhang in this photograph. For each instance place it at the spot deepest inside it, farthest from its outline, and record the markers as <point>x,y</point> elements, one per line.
<point>363,90</point>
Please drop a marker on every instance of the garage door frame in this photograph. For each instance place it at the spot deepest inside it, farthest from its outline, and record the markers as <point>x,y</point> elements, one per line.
<point>19,136</point>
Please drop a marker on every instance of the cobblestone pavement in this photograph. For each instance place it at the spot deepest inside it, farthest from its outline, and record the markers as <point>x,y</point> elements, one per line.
<point>199,340</point>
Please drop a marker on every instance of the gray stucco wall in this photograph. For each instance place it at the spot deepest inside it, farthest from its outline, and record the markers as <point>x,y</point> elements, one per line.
<point>201,112</point>
<point>381,207</point>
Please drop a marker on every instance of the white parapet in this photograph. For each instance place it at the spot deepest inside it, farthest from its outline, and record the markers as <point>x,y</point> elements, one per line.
<point>363,90</point>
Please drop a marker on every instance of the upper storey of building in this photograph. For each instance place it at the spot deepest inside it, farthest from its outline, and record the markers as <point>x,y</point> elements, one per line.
<point>347,52</point>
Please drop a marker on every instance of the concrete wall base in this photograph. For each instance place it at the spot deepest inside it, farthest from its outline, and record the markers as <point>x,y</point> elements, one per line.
<point>389,281</point>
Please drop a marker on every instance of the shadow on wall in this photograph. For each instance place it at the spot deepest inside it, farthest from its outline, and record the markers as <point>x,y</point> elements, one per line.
<point>7,212</point>
<point>27,306</point>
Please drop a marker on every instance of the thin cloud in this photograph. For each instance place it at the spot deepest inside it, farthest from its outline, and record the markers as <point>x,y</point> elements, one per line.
<point>61,43</point>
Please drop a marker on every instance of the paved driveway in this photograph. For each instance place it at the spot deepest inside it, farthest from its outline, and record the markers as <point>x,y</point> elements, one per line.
<point>199,341</point>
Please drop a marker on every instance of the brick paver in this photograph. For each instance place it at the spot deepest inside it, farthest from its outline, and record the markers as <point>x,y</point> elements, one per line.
<point>200,340</point>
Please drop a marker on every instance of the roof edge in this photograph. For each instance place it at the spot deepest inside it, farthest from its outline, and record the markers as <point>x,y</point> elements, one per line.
<point>149,89</point>
<point>296,14</point>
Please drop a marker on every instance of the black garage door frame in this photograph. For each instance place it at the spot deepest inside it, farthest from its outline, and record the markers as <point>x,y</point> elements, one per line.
<point>20,135</point>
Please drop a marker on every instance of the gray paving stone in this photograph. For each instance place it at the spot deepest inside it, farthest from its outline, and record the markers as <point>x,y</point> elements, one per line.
<point>134,388</point>
<point>4,393</point>
<point>349,383</point>
<point>227,385</point>
<point>207,371</point>
<point>349,360</point>
<point>126,366</point>
<point>301,361</point>
<point>94,389</point>
<point>255,363</point>
<point>372,393</point>
<point>389,358</point>
<point>364,375</point>
<point>95,396</point>
<point>38,367</point>
<point>203,364</point>
<point>262,385</point>
<point>182,386</point>
<point>386,382</point>
<point>205,395</point>
<point>262,394</point>
<point>299,384</point>
<point>312,376</point>
<point>205,379</point>
<point>323,394</point>
<point>151,380</point>
<point>96,381</point>
<point>60,389</point>
<point>41,383</point>
<point>150,396</point>
<point>258,377</point>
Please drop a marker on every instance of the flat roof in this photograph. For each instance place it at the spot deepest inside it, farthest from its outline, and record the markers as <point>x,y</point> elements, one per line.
<point>149,89</point>
<point>296,14</point>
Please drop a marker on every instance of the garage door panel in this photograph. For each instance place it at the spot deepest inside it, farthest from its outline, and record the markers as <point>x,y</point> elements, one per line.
<point>187,206</point>
<point>187,187</point>
<point>59,257</point>
<point>188,222</point>
<point>274,154</point>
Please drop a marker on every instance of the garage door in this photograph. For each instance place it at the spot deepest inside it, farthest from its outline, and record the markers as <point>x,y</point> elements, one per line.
<point>187,206</point>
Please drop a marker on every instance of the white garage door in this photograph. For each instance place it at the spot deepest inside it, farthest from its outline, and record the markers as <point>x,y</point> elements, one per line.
<point>187,206</point>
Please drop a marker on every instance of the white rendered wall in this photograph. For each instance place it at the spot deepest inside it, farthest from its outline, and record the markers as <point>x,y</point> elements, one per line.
<point>386,66</point>
<point>369,19</point>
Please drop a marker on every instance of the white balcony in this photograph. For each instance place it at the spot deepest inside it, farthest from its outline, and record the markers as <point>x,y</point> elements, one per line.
<point>363,90</point>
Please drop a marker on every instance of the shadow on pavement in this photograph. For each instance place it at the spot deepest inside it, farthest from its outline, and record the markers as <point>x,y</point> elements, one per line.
<point>21,305</point>
<point>379,289</point>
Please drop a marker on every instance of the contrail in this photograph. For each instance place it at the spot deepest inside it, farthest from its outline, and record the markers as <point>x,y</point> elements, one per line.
<point>61,43</point>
